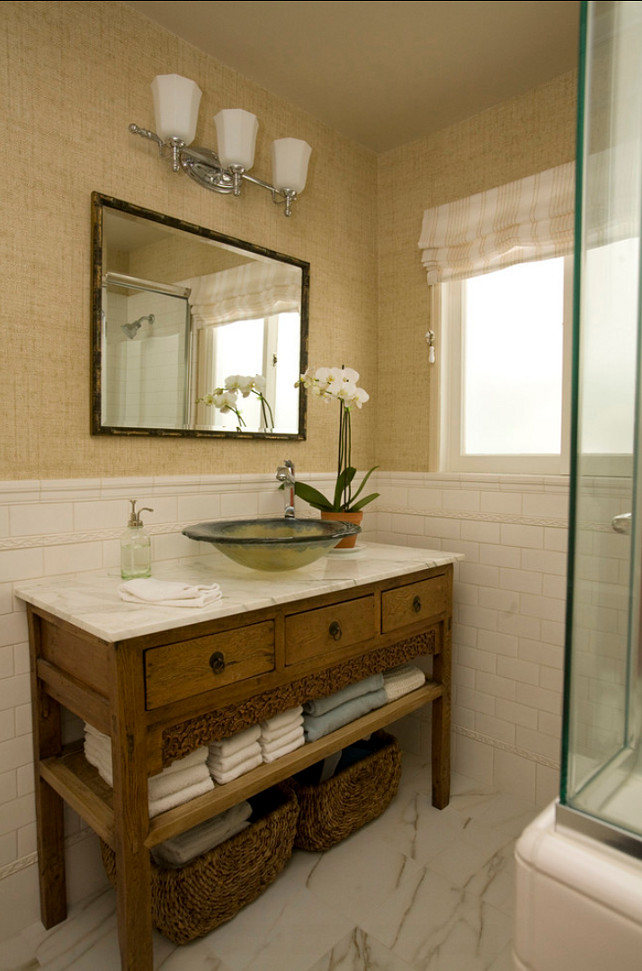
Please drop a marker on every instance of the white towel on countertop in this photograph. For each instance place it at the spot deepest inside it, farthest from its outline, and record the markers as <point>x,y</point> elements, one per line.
<point>285,720</point>
<point>276,753</point>
<point>401,680</point>
<point>246,766</point>
<point>180,849</point>
<point>223,763</point>
<point>169,593</point>
<point>278,743</point>
<point>234,743</point>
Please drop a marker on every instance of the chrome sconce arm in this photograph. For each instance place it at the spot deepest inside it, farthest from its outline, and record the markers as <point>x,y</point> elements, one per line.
<point>176,102</point>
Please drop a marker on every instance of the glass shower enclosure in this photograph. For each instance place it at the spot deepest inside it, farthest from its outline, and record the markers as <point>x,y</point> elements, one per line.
<point>601,779</point>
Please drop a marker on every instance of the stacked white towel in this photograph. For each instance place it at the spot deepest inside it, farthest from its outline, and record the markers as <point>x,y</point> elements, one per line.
<point>400,681</point>
<point>179,850</point>
<point>234,756</point>
<point>185,779</point>
<point>282,734</point>
<point>169,593</point>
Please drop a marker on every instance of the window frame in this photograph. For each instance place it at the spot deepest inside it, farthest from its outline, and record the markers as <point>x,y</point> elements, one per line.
<point>451,314</point>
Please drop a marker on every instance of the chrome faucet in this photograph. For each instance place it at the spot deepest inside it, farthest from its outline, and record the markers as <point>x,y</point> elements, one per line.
<point>285,474</point>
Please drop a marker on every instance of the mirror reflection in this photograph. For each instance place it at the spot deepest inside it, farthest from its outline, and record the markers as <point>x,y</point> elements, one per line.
<point>194,333</point>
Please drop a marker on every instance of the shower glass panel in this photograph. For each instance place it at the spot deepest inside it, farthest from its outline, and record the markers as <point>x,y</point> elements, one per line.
<point>146,347</point>
<point>601,784</point>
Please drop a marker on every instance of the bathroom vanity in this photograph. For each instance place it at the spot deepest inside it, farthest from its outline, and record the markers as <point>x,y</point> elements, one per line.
<point>162,681</point>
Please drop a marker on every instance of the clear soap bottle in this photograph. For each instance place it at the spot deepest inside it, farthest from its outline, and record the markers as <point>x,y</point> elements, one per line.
<point>135,547</point>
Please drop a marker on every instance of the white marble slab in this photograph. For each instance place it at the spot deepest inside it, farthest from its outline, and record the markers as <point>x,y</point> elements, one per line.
<point>91,601</point>
<point>382,900</point>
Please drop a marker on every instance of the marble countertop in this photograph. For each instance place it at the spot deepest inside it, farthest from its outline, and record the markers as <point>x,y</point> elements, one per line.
<point>91,601</point>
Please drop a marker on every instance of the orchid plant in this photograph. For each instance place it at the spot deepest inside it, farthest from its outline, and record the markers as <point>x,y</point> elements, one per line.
<point>338,384</point>
<point>226,398</point>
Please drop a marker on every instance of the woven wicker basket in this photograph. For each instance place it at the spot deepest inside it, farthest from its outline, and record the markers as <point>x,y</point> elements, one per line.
<point>191,901</point>
<point>332,810</point>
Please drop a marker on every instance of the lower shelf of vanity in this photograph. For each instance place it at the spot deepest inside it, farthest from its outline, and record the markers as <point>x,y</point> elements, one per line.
<point>82,788</point>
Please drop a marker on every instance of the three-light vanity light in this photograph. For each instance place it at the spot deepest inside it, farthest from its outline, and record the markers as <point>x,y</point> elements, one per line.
<point>176,104</point>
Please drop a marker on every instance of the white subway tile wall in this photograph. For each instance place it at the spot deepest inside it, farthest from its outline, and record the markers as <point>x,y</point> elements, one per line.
<point>510,599</point>
<point>508,618</point>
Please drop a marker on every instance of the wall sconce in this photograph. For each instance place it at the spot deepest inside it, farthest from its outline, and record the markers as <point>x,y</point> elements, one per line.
<point>176,103</point>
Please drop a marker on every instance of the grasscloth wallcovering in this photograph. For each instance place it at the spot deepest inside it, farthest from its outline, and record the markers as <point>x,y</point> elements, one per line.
<point>510,141</point>
<point>72,77</point>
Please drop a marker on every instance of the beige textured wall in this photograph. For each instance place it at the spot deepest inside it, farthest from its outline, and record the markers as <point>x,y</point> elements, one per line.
<point>515,139</point>
<point>72,77</point>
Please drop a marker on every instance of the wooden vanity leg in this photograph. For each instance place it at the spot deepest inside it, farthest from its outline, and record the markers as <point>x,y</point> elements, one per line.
<point>441,723</point>
<point>131,817</point>
<point>47,742</point>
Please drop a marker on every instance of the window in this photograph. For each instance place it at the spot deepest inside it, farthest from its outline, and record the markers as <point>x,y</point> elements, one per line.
<point>506,369</point>
<point>500,266</point>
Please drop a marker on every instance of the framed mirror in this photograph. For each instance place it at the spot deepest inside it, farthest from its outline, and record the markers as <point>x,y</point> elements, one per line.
<point>193,333</point>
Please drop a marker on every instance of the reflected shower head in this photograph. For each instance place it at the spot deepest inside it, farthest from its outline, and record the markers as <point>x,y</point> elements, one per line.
<point>132,329</point>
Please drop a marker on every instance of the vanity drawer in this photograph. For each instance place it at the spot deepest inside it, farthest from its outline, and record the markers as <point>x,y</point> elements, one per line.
<point>177,671</point>
<point>412,603</point>
<point>315,632</point>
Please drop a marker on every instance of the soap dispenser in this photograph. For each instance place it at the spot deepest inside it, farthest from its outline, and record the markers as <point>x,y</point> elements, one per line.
<point>135,547</point>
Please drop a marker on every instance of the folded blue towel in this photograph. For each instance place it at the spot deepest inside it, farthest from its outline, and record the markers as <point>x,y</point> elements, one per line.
<point>316,726</point>
<point>321,705</point>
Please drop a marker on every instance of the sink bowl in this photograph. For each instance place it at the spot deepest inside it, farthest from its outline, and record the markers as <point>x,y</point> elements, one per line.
<point>272,544</point>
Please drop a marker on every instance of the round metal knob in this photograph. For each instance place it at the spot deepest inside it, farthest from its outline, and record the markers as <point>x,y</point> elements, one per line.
<point>217,662</point>
<point>335,631</point>
<point>416,604</point>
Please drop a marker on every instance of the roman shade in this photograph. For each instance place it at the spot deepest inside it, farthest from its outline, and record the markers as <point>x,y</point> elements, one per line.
<point>530,219</point>
<point>244,293</point>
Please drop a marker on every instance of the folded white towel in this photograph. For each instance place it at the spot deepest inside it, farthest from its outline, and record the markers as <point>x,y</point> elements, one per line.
<point>183,780</point>
<point>278,743</point>
<point>275,734</point>
<point>227,746</point>
<point>223,763</point>
<point>99,762</point>
<point>169,593</point>
<point>240,769</point>
<point>157,806</point>
<point>194,758</point>
<point>400,681</point>
<point>180,849</point>
<point>277,753</point>
<point>287,718</point>
<point>164,784</point>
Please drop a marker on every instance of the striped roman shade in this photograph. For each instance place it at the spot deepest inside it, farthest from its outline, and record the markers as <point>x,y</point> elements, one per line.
<point>244,292</point>
<point>531,219</point>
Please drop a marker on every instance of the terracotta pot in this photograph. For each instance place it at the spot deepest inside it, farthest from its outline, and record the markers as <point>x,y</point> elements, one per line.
<point>344,517</point>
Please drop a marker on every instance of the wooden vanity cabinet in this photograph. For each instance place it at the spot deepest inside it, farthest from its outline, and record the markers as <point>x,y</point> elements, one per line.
<point>161,695</point>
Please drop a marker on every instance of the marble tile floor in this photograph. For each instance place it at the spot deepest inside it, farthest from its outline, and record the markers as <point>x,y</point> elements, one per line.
<point>415,890</point>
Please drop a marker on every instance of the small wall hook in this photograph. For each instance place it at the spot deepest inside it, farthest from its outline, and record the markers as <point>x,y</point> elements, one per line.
<point>430,341</point>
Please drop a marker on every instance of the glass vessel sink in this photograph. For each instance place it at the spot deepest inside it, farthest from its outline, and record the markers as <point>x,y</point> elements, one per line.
<point>272,544</point>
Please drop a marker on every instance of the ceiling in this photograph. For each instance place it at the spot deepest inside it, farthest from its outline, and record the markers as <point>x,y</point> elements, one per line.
<point>383,73</point>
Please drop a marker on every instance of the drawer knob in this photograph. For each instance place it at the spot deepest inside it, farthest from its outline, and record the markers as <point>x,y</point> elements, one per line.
<point>217,662</point>
<point>335,630</point>
<point>416,604</point>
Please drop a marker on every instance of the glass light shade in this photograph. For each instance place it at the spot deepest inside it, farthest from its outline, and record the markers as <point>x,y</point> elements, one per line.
<point>236,137</point>
<point>290,157</point>
<point>176,102</point>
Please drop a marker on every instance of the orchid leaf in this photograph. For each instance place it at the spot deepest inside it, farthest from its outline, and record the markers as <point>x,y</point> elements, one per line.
<point>312,496</point>
<point>356,506</point>
<point>343,481</point>
<point>363,482</point>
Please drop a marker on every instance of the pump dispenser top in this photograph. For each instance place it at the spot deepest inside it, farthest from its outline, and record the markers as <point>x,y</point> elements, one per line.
<point>135,546</point>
